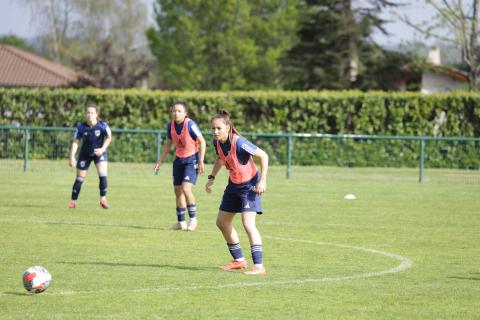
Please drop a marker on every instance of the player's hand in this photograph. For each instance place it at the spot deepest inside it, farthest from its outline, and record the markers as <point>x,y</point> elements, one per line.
<point>209,185</point>
<point>72,162</point>
<point>261,187</point>
<point>201,167</point>
<point>156,168</point>
<point>98,152</point>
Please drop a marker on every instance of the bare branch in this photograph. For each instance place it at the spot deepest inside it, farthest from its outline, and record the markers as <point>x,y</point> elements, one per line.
<point>443,14</point>
<point>428,33</point>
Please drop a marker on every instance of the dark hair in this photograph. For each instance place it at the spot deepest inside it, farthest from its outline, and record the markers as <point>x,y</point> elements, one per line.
<point>92,104</point>
<point>182,103</point>
<point>224,115</point>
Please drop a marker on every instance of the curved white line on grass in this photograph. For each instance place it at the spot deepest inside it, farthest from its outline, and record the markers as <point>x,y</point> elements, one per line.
<point>405,263</point>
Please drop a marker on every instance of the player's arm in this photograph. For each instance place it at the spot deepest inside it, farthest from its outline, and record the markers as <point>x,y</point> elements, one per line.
<point>202,147</point>
<point>73,150</point>
<point>106,143</point>
<point>166,149</point>
<point>104,147</point>
<point>261,186</point>
<point>211,177</point>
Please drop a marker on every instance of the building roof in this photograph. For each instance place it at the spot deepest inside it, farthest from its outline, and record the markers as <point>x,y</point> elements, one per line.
<point>448,71</point>
<point>19,68</point>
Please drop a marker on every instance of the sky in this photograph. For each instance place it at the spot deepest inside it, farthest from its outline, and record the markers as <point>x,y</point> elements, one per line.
<point>16,20</point>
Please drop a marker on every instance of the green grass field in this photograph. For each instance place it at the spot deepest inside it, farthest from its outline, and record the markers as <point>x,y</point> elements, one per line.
<point>401,250</point>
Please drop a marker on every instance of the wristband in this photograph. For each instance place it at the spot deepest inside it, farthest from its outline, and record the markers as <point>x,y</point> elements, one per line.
<point>210,177</point>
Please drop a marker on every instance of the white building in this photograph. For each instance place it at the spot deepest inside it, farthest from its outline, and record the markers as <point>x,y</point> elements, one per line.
<point>436,78</point>
<point>432,76</point>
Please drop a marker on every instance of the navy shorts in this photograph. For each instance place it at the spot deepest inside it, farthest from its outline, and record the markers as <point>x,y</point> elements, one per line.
<point>185,170</point>
<point>242,197</point>
<point>84,160</point>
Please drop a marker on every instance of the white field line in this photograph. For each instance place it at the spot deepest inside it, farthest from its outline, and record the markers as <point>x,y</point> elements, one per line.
<point>405,263</point>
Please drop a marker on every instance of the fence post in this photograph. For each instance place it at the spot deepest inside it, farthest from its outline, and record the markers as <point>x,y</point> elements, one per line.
<point>159,146</point>
<point>26,139</point>
<point>422,160</point>
<point>289,155</point>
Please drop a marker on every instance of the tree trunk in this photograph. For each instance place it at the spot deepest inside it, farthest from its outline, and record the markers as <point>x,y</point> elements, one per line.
<point>472,54</point>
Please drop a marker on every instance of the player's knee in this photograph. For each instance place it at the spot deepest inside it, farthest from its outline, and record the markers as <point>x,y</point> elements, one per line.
<point>250,227</point>
<point>221,224</point>
<point>178,191</point>
<point>187,191</point>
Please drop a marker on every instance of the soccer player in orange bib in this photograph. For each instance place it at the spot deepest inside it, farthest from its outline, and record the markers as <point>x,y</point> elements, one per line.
<point>243,192</point>
<point>190,152</point>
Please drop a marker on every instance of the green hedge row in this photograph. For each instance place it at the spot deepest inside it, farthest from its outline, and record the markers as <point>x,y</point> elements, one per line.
<point>271,111</point>
<point>275,111</point>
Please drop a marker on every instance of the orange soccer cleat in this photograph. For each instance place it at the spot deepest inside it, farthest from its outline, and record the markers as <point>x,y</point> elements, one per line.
<point>256,271</point>
<point>104,204</point>
<point>72,204</point>
<point>235,265</point>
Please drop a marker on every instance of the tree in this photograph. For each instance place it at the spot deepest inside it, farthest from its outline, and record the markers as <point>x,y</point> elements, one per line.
<point>17,42</point>
<point>381,69</point>
<point>104,38</point>
<point>113,69</point>
<point>334,44</point>
<point>54,24</point>
<point>455,22</point>
<point>223,45</point>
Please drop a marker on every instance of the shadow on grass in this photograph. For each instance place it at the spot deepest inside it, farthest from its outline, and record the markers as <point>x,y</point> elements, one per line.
<point>120,264</point>
<point>105,225</point>
<point>9,293</point>
<point>475,276</point>
<point>31,205</point>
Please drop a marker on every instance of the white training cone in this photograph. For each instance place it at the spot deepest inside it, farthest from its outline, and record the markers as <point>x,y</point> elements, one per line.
<point>349,197</point>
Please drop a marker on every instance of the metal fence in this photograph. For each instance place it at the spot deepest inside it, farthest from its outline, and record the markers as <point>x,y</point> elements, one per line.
<point>136,145</point>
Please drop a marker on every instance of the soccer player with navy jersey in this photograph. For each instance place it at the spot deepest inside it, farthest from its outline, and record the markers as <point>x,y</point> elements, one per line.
<point>189,143</point>
<point>96,137</point>
<point>243,192</point>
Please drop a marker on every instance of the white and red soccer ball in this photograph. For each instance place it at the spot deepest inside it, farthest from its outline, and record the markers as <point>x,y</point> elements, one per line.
<point>36,279</point>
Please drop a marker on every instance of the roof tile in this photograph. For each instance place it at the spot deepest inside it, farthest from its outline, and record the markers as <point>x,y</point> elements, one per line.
<point>19,68</point>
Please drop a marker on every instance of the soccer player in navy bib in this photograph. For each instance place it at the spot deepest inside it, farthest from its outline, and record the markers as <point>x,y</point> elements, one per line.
<point>190,152</point>
<point>96,137</point>
<point>243,192</point>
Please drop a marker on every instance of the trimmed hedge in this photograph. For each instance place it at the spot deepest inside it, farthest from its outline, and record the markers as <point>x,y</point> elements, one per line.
<point>332,112</point>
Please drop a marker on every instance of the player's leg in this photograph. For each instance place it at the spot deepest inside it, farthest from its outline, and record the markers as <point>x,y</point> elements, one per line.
<point>102,168</point>
<point>82,166</point>
<point>181,208</point>
<point>181,202</point>
<point>77,186</point>
<point>251,204</point>
<point>189,179</point>
<point>225,224</point>
<point>249,224</point>
<point>256,248</point>
<point>191,206</point>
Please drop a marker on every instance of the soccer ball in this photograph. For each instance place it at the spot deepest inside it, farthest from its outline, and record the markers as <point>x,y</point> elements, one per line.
<point>36,279</point>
